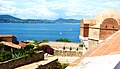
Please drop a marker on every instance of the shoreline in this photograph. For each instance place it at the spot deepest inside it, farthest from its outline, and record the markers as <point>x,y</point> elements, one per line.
<point>39,23</point>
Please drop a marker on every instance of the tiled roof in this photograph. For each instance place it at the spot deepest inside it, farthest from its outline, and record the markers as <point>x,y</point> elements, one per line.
<point>6,36</point>
<point>10,44</point>
<point>18,46</point>
<point>109,46</point>
<point>22,44</point>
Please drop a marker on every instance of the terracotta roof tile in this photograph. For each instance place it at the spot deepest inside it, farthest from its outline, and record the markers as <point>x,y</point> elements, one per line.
<point>6,36</point>
<point>111,45</point>
<point>10,44</point>
<point>22,44</point>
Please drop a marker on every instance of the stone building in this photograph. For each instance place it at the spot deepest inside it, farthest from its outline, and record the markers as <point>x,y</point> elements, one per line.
<point>95,30</point>
<point>105,55</point>
<point>10,43</point>
<point>8,38</point>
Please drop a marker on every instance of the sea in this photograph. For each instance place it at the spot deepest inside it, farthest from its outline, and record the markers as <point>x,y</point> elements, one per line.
<point>39,32</point>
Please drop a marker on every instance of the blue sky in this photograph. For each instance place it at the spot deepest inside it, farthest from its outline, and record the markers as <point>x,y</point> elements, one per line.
<point>53,9</point>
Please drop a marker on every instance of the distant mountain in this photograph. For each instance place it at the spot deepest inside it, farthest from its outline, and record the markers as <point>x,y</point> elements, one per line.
<point>11,19</point>
<point>61,20</point>
<point>8,18</point>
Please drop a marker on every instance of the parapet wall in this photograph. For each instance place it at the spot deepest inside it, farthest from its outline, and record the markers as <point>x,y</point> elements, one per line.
<point>70,53</point>
<point>11,64</point>
<point>50,65</point>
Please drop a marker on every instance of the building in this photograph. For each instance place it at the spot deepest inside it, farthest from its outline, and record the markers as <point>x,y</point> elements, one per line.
<point>95,30</point>
<point>10,43</point>
<point>104,56</point>
<point>8,38</point>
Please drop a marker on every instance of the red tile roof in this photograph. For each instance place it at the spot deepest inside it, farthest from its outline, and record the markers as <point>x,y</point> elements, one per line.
<point>6,36</point>
<point>10,44</point>
<point>22,44</point>
<point>109,46</point>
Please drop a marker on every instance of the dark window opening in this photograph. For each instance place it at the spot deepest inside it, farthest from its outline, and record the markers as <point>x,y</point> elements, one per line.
<point>105,26</point>
<point>113,26</point>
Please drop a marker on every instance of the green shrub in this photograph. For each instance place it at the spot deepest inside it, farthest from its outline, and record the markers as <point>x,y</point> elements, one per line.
<point>64,65</point>
<point>45,41</point>
<point>81,45</point>
<point>36,41</point>
<point>58,65</point>
<point>22,56</point>
<point>30,52</point>
<point>5,55</point>
<point>61,66</point>
<point>29,47</point>
<point>62,40</point>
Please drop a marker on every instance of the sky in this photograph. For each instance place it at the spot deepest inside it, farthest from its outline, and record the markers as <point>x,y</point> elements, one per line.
<point>54,9</point>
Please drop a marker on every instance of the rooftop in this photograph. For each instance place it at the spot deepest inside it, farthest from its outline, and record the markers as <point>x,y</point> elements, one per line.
<point>20,45</point>
<point>109,46</point>
<point>6,36</point>
<point>10,44</point>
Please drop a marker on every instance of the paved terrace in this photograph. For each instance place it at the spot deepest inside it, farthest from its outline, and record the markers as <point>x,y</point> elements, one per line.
<point>60,45</point>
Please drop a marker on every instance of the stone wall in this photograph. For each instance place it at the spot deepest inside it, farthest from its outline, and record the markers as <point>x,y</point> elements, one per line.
<point>108,27</point>
<point>50,65</point>
<point>22,61</point>
<point>104,33</point>
<point>92,44</point>
<point>68,53</point>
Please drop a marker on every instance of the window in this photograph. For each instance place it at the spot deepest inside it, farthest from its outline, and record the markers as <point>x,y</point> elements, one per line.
<point>105,26</point>
<point>113,26</point>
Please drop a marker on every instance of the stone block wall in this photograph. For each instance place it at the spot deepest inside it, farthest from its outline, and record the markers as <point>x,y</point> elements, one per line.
<point>106,33</point>
<point>108,27</point>
<point>11,64</point>
<point>50,65</point>
<point>68,53</point>
<point>92,44</point>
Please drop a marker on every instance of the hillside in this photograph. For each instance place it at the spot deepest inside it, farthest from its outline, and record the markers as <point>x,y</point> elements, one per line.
<point>12,19</point>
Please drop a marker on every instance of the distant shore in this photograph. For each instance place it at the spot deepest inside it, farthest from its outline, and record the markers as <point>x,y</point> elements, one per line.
<point>43,23</point>
<point>12,19</point>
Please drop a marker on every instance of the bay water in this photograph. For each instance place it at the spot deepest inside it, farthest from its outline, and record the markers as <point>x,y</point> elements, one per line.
<point>40,32</point>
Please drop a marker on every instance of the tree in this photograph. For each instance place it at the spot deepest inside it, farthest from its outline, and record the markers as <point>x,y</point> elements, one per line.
<point>45,41</point>
<point>66,40</point>
<point>62,40</point>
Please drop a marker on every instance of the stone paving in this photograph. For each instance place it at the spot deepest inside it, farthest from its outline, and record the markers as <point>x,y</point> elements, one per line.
<point>66,59</point>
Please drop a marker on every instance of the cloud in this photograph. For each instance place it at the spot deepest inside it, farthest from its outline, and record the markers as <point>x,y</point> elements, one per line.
<point>7,7</point>
<point>52,9</point>
<point>113,4</point>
